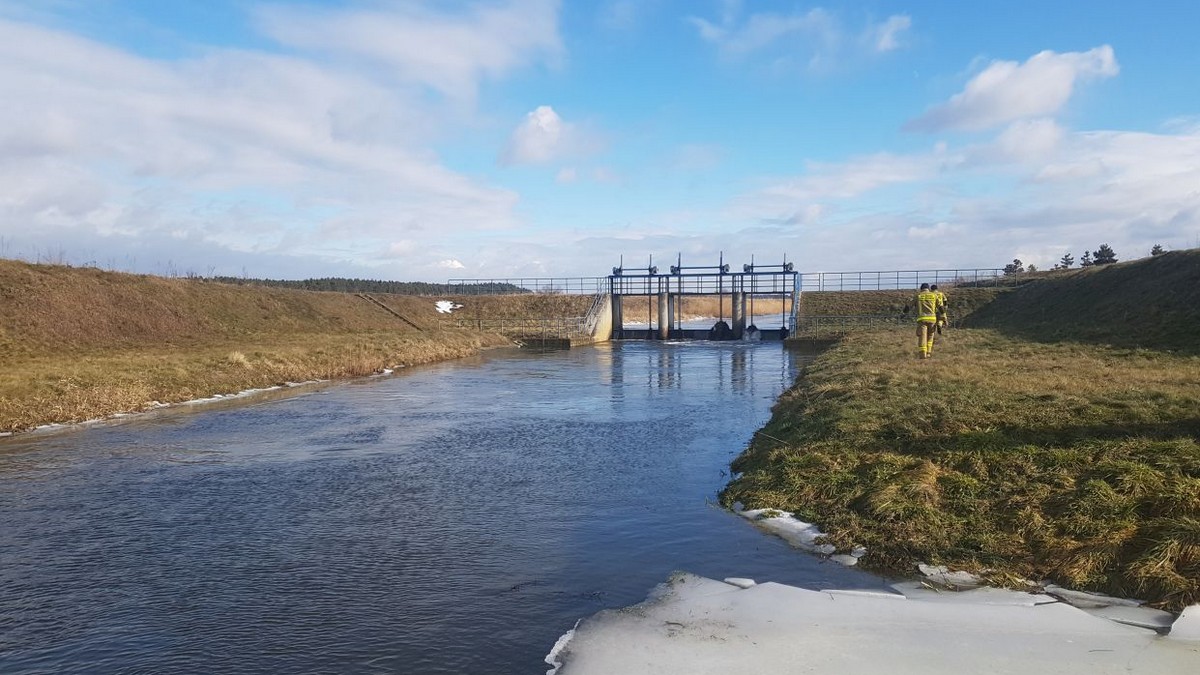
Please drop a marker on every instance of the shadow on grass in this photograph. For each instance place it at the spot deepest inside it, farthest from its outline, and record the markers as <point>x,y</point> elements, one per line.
<point>1152,303</point>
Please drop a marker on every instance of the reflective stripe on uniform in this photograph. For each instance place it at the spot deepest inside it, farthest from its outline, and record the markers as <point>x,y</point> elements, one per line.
<point>927,305</point>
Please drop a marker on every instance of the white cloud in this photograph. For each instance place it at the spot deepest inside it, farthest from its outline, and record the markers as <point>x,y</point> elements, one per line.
<point>566,175</point>
<point>1026,141</point>
<point>540,138</point>
<point>762,30</point>
<point>1034,191</point>
<point>543,137</point>
<point>1006,90</point>
<point>247,151</point>
<point>937,231</point>
<point>451,264</point>
<point>857,176</point>
<point>415,42</point>
<point>812,40</point>
<point>886,37</point>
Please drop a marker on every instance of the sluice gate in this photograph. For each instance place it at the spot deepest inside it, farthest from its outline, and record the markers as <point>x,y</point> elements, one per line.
<point>704,302</point>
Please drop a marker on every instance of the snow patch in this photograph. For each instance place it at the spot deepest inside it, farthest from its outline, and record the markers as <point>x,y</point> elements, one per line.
<point>446,306</point>
<point>940,574</point>
<point>798,533</point>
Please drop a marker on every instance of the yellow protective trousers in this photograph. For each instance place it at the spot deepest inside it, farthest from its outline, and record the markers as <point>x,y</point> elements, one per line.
<point>925,332</point>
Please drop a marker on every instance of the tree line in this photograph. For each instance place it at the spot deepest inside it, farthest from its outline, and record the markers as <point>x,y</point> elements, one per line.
<point>343,285</point>
<point>1104,255</point>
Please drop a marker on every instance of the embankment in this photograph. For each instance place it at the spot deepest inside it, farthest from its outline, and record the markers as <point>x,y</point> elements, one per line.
<point>82,343</point>
<point>1056,438</point>
<point>963,302</point>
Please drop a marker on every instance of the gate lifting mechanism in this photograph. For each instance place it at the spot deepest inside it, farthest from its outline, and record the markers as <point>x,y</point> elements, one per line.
<point>771,285</point>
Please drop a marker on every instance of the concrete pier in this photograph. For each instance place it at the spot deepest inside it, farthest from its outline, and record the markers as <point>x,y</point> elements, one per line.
<point>738,318</point>
<point>664,315</point>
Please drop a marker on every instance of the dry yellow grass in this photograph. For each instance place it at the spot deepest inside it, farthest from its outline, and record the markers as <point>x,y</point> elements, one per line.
<point>80,344</point>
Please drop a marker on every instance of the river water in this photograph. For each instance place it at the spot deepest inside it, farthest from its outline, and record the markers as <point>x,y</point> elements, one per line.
<point>454,518</point>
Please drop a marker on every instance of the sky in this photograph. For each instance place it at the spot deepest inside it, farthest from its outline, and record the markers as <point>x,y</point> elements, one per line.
<point>423,140</point>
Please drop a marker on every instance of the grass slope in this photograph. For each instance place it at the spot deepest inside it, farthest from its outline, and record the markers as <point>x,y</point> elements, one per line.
<point>1153,302</point>
<point>81,343</point>
<point>1017,458</point>
<point>963,302</point>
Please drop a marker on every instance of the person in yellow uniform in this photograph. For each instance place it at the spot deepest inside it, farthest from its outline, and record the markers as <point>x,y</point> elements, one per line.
<point>943,303</point>
<point>926,304</point>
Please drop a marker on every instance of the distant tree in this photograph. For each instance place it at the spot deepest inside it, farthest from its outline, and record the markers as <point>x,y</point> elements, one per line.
<point>1157,250</point>
<point>1031,268</point>
<point>1015,267</point>
<point>1066,261</point>
<point>1086,260</point>
<point>1105,255</point>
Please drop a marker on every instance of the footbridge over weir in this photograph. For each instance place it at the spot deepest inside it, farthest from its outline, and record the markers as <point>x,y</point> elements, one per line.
<point>715,302</point>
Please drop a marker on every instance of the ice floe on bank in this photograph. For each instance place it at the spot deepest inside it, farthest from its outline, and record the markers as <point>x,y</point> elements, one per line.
<point>695,625</point>
<point>947,622</point>
<point>798,533</point>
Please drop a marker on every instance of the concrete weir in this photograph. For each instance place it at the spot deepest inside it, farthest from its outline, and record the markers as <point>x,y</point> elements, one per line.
<point>665,294</point>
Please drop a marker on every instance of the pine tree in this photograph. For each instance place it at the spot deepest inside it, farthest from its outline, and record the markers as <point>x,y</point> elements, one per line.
<point>1015,267</point>
<point>1157,250</point>
<point>1066,261</point>
<point>1086,260</point>
<point>1105,255</point>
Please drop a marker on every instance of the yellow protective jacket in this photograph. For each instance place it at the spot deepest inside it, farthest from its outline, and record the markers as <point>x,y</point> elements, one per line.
<point>927,306</point>
<point>941,303</point>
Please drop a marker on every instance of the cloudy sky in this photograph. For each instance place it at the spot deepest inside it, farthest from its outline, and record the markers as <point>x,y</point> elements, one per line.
<point>430,139</point>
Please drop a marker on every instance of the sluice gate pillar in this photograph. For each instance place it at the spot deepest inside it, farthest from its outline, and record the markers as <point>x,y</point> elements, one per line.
<point>664,315</point>
<point>692,294</point>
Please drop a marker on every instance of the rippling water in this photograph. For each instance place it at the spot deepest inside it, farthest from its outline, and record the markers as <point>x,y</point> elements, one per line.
<point>454,518</point>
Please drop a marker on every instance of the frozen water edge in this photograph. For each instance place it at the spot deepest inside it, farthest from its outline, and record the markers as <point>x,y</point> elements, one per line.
<point>695,625</point>
<point>153,406</point>
<point>798,533</point>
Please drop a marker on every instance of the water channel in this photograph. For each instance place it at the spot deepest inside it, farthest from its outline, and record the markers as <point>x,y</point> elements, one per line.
<point>454,518</point>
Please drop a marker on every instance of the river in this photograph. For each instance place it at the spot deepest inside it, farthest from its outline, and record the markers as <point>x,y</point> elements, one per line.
<point>453,518</point>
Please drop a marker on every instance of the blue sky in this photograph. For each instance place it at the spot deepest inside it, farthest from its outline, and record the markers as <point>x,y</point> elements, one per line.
<point>422,140</point>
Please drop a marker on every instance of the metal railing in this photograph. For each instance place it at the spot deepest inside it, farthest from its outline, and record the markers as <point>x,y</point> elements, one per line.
<point>761,283</point>
<point>592,319</point>
<point>841,325</point>
<point>892,280</point>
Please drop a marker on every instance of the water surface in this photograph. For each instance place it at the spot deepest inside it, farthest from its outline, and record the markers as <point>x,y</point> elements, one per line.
<point>454,518</point>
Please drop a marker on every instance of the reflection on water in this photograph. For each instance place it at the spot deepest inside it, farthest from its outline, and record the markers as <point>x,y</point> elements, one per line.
<point>455,518</point>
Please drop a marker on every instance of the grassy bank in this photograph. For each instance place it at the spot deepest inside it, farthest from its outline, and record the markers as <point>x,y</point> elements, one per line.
<point>963,302</point>
<point>1057,451</point>
<point>80,343</point>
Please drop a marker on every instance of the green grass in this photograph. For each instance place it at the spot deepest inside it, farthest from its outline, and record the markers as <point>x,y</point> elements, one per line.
<point>1152,302</point>
<point>1067,461</point>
